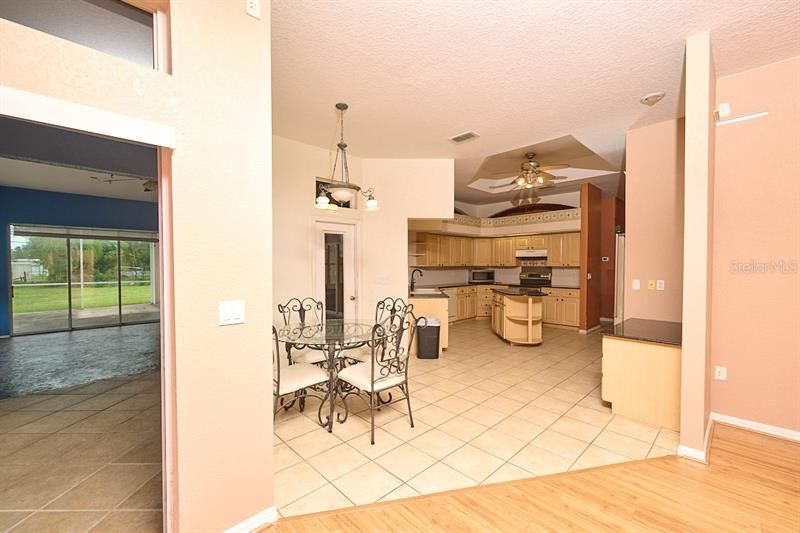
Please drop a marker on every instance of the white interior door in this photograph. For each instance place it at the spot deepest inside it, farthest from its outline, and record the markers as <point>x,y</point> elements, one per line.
<point>335,268</point>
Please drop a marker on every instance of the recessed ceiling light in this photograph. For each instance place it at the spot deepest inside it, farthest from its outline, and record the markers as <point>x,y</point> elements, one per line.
<point>652,98</point>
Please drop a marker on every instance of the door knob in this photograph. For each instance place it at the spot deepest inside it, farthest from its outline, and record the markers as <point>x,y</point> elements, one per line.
<point>352,298</point>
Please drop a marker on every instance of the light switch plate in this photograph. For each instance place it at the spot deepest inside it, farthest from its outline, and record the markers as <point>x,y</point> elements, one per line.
<point>231,312</point>
<point>721,373</point>
<point>659,284</point>
<point>637,284</point>
<point>651,284</point>
<point>253,8</point>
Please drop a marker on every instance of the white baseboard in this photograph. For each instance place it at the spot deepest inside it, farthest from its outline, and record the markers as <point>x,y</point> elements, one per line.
<point>692,453</point>
<point>257,521</point>
<point>776,431</point>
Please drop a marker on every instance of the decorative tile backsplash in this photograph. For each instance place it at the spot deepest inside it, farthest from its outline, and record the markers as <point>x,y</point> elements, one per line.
<point>517,220</point>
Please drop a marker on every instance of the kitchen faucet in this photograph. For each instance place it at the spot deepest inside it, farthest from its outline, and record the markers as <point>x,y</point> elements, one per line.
<point>414,281</point>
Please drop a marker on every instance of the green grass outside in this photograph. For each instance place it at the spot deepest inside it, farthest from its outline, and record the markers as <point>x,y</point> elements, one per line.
<point>32,299</point>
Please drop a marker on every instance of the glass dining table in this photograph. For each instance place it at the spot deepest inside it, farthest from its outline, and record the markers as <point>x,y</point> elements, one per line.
<point>333,337</point>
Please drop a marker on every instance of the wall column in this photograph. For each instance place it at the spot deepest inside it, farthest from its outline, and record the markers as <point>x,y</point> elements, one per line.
<point>698,197</point>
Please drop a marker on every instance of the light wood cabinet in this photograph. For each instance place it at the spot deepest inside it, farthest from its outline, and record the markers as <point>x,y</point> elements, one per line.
<point>564,250</point>
<point>482,252</point>
<point>503,252</point>
<point>454,251</point>
<point>571,255</point>
<point>522,242</point>
<point>555,250</point>
<point>538,242</point>
<point>467,251</point>
<point>561,306</point>
<point>521,319</point>
<point>430,253</point>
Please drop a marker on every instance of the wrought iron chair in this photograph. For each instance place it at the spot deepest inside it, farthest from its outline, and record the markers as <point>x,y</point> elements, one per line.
<point>301,311</point>
<point>296,379</point>
<point>388,366</point>
<point>383,309</point>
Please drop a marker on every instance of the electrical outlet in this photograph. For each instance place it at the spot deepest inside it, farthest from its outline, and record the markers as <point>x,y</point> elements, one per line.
<point>651,284</point>
<point>721,373</point>
<point>659,284</point>
<point>637,285</point>
<point>253,8</point>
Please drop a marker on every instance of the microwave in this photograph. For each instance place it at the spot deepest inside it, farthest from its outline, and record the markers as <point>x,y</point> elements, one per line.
<point>481,276</point>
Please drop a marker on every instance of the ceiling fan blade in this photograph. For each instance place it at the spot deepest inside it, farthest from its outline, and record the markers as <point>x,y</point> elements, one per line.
<point>554,167</point>
<point>513,182</point>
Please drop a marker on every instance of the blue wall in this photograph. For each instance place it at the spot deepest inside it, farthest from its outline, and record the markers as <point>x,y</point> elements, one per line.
<point>27,206</point>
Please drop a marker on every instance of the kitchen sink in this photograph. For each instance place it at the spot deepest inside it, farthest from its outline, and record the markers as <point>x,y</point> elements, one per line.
<point>422,292</point>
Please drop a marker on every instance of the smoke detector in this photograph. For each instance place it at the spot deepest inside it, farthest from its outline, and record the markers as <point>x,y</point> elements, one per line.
<point>464,137</point>
<point>652,98</point>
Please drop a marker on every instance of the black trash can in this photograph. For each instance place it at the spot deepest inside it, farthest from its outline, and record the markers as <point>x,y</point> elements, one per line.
<point>428,338</point>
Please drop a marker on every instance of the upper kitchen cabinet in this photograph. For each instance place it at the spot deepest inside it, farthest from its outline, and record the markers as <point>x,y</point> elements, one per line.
<point>564,250</point>
<point>482,252</point>
<point>522,242</point>
<point>538,242</point>
<point>503,254</point>
<point>467,251</point>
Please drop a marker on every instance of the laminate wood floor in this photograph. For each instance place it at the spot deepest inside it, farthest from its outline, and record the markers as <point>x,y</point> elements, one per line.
<point>752,483</point>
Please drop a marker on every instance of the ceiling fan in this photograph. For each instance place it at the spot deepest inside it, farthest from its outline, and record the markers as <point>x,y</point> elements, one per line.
<point>533,175</point>
<point>148,185</point>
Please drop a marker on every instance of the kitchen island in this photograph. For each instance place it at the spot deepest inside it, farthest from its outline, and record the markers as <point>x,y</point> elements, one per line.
<point>642,371</point>
<point>517,315</point>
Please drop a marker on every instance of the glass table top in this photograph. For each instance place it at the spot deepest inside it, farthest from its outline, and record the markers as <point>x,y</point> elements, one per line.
<point>328,332</point>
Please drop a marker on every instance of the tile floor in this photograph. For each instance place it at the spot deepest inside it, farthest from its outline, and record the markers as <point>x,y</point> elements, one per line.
<point>83,459</point>
<point>484,412</point>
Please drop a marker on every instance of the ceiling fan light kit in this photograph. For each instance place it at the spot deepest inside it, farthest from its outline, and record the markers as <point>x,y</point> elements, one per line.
<point>343,190</point>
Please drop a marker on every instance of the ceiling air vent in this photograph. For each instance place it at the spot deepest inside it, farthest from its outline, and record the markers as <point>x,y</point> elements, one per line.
<point>464,137</point>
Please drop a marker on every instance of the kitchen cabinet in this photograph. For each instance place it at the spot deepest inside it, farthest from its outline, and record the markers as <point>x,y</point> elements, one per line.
<point>571,249</point>
<point>453,252</point>
<point>503,254</point>
<point>561,307</point>
<point>482,252</point>
<point>498,314</point>
<point>467,303</point>
<point>538,242</point>
<point>522,319</point>
<point>522,242</point>
<point>467,251</point>
<point>564,250</point>
<point>429,254</point>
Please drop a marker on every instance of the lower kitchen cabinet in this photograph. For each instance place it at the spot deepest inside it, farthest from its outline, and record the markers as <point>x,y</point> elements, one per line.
<point>561,307</point>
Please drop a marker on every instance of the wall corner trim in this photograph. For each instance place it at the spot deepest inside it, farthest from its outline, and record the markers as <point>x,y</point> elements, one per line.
<point>692,453</point>
<point>775,431</point>
<point>255,522</point>
<point>34,107</point>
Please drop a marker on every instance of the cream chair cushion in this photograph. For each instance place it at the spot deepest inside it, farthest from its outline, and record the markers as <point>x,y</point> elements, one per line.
<point>359,375</point>
<point>299,376</point>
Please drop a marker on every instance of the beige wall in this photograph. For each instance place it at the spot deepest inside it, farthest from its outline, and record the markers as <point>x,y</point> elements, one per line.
<point>654,220</point>
<point>218,100</point>
<point>418,188</point>
<point>754,330</point>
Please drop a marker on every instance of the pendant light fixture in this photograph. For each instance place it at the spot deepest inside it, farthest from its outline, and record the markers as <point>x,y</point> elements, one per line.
<point>342,190</point>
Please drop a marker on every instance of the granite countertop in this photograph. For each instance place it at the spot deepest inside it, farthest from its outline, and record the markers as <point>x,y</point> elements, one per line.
<point>467,284</point>
<point>519,291</point>
<point>640,329</point>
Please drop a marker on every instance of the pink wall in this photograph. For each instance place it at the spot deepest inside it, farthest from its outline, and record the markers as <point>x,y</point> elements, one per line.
<point>218,99</point>
<point>757,218</point>
<point>654,220</point>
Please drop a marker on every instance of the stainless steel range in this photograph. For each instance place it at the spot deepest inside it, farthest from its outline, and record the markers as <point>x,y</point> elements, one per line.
<point>535,276</point>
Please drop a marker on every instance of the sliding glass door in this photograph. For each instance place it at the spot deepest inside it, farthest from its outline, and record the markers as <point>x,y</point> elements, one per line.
<point>74,282</point>
<point>39,288</point>
<point>94,282</point>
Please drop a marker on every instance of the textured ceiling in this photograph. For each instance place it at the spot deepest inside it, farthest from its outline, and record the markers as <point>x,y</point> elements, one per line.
<point>518,73</point>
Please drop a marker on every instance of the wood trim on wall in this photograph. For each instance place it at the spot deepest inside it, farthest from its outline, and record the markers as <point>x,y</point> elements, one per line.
<point>590,256</point>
